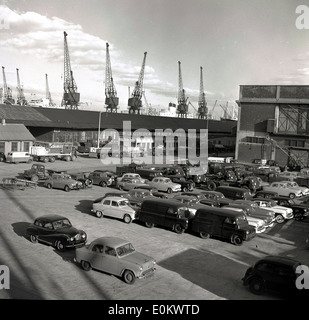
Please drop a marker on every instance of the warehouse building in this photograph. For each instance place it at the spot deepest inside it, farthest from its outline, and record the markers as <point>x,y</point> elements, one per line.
<point>273,124</point>
<point>75,126</point>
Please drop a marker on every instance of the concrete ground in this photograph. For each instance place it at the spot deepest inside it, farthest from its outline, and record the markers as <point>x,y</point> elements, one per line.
<point>188,267</point>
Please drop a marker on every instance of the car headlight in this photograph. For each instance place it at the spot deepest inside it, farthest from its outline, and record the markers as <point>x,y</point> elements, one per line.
<point>72,239</point>
<point>141,268</point>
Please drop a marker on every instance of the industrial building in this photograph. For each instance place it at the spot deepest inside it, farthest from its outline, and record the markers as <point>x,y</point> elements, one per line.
<point>67,125</point>
<point>273,124</point>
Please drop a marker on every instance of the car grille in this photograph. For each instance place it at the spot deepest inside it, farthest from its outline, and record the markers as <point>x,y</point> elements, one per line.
<point>148,272</point>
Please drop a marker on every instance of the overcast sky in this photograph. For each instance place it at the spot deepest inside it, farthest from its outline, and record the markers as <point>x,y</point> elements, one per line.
<point>237,42</point>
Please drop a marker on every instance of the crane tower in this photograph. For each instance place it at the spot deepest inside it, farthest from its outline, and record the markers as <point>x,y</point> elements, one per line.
<point>21,100</point>
<point>202,104</point>
<point>6,92</point>
<point>111,99</point>
<point>71,97</point>
<point>182,107</point>
<point>135,102</point>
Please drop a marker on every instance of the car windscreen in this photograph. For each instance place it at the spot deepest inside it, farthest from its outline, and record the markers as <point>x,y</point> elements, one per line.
<point>125,249</point>
<point>63,223</point>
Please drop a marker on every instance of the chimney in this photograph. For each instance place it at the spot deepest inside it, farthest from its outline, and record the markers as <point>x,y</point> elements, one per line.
<point>3,122</point>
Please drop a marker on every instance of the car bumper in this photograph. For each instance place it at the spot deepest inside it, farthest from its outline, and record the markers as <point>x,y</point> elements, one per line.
<point>75,244</point>
<point>146,274</point>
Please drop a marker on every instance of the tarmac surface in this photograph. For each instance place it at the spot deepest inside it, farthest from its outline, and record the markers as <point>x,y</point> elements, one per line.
<point>188,267</point>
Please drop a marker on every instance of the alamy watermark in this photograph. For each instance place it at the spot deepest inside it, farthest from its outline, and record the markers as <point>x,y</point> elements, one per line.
<point>4,277</point>
<point>302,21</point>
<point>302,281</point>
<point>179,145</point>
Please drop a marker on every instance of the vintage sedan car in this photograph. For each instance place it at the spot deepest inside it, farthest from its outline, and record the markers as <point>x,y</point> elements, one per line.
<point>83,178</point>
<point>265,194</point>
<point>257,223</point>
<point>56,231</point>
<point>62,181</point>
<point>115,207</point>
<point>131,175</point>
<point>137,196</point>
<point>198,195</point>
<point>300,211</point>
<point>253,210</point>
<point>281,213</point>
<point>165,184</point>
<point>116,256</point>
<point>191,203</point>
<point>185,184</point>
<point>129,184</point>
<point>283,189</point>
<point>274,274</point>
<point>215,197</point>
<point>102,178</point>
<point>294,184</point>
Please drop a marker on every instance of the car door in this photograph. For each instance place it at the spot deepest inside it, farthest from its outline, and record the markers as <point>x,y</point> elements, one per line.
<point>46,232</point>
<point>97,257</point>
<point>110,260</point>
<point>106,207</point>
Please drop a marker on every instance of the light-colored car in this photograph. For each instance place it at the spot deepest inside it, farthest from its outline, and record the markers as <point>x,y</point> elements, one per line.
<point>129,184</point>
<point>116,256</point>
<point>281,213</point>
<point>62,181</point>
<point>283,189</point>
<point>257,223</point>
<point>293,184</point>
<point>165,184</point>
<point>115,207</point>
<point>131,175</point>
<point>290,175</point>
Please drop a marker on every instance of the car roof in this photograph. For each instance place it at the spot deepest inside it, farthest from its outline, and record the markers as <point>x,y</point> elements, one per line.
<point>114,198</point>
<point>51,217</point>
<point>280,259</point>
<point>184,196</point>
<point>110,241</point>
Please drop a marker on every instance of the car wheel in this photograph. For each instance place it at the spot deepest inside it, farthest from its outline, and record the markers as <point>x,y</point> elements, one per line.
<point>34,238</point>
<point>280,218</point>
<point>49,186</point>
<point>120,187</point>
<point>103,184</point>
<point>129,277</point>
<point>99,214</point>
<point>257,286</point>
<point>86,265</point>
<point>298,216</point>
<point>67,189</point>
<point>292,195</point>
<point>185,189</point>
<point>52,159</point>
<point>127,218</point>
<point>34,178</point>
<point>211,186</point>
<point>178,228</point>
<point>169,191</point>
<point>204,235</point>
<point>60,246</point>
<point>236,239</point>
<point>149,224</point>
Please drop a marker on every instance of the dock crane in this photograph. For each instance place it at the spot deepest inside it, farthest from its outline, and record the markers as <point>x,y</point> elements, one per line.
<point>202,104</point>
<point>182,107</point>
<point>226,114</point>
<point>210,115</point>
<point>47,93</point>
<point>71,97</point>
<point>135,102</point>
<point>21,100</point>
<point>7,92</point>
<point>111,99</point>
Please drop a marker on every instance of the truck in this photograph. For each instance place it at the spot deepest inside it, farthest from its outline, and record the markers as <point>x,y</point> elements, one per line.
<point>36,172</point>
<point>49,152</point>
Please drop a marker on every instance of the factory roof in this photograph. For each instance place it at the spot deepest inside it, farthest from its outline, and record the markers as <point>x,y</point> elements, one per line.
<point>89,120</point>
<point>15,132</point>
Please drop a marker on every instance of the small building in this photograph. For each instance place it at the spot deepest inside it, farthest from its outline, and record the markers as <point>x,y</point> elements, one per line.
<point>15,137</point>
<point>273,124</point>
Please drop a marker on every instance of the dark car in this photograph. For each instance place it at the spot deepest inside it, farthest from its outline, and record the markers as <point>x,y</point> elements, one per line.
<point>197,195</point>
<point>300,211</point>
<point>102,178</point>
<point>215,198</point>
<point>185,184</point>
<point>273,273</point>
<point>265,194</point>
<point>56,231</point>
<point>83,177</point>
<point>2,157</point>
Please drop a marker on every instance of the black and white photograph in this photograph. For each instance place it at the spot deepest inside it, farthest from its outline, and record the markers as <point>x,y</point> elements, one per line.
<point>154,155</point>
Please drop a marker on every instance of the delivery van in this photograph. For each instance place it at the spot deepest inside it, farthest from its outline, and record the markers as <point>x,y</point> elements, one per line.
<point>222,223</point>
<point>15,157</point>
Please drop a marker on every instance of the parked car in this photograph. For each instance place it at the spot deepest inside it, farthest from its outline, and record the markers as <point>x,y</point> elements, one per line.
<point>165,184</point>
<point>273,273</point>
<point>283,189</point>
<point>190,202</point>
<point>129,183</point>
<point>116,256</point>
<point>115,207</point>
<point>148,187</point>
<point>215,197</point>
<point>131,175</point>
<point>265,194</point>
<point>281,213</point>
<point>294,184</point>
<point>137,196</point>
<point>234,192</point>
<point>83,178</point>
<point>185,184</point>
<point>102,178</point>
<point>2,157</point>
<point>17,157</point>
<point>62,181</point>
<point>198,195</point>
<point>56,231</point>
<point>300,211</point>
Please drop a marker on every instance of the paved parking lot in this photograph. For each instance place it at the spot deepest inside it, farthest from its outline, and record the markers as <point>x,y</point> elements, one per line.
<point>189,268</point>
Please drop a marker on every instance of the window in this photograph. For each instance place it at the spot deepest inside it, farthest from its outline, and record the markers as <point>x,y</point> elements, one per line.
<point>114,204</point>
<point>2,146</point>
<point>98,248</point>
<point>26,146</point>
<point>258,140</point>
<point>14,146</point>
<point>110,251</point>
<point>107,202</point>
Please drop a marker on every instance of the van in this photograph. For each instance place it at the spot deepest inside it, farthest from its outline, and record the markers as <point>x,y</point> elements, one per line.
<point>15,157</point>
<point>166,213</point>
<point>235,193</point>
<point>222,223</point>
